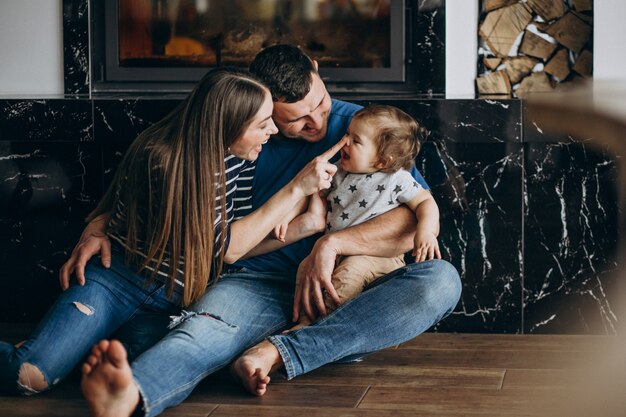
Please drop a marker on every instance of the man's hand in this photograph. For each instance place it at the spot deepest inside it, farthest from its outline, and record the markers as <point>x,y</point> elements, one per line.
<point>317,270</point>
<point>93,241</point>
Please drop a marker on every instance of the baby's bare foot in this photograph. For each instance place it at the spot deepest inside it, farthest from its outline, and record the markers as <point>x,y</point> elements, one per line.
<point>254,366</point>
<point>304,321</point>
<point>108,381</point>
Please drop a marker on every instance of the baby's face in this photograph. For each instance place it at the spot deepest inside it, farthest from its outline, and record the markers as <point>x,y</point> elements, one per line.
<point>359,155</point>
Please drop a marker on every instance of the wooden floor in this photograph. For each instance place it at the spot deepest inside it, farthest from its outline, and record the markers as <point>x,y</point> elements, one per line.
<point>432,375</point>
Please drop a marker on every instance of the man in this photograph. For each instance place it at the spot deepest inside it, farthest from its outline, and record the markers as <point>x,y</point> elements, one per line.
<point>254,299</point>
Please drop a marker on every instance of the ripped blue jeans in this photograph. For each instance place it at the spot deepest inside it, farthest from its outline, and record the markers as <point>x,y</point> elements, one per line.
<point>244,307</point>
<point>79,318</point>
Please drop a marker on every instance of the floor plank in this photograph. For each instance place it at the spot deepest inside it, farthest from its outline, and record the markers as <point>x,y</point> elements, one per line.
<point>269,411</point>
<point>478,358</point>
<point>384,375</point>
<point>190,410</point>
<point>454,341</point>
<point>462,401</point>
<point>292,394</point>
<point>516,379</point>
<point>433,375</point>
<point>42,407</point>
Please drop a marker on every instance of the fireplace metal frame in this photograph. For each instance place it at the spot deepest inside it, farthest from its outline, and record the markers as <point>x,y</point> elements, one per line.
<point>400,77</point>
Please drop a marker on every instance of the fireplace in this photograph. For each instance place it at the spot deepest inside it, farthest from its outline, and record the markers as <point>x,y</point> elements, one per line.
<point>161,45</point>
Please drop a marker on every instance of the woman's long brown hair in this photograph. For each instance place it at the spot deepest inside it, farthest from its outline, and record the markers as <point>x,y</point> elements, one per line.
<point>172,181</point>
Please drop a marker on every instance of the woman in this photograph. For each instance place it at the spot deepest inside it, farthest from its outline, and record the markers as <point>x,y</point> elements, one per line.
<point>169,216</point>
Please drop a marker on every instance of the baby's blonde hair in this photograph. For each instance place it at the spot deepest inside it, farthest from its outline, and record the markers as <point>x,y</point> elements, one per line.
<point>397,135</point>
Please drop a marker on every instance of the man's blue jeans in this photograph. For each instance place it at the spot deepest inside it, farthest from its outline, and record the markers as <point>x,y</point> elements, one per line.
<point>81,317</point>
<point>244,307</point>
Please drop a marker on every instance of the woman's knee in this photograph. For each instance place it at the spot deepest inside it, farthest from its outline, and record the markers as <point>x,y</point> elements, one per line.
<point>19,376</point>
<point>31,380</point>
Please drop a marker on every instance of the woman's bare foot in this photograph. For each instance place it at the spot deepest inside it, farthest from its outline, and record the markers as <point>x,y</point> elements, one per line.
<point>254,366</point>
<point>108,381</point>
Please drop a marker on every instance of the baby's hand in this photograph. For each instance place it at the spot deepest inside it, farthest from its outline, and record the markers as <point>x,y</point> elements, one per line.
<point>280,231</point>
<point>425,246</point>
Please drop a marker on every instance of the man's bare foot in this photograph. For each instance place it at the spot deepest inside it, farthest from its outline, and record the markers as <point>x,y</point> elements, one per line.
<point>107,381</point>
<point>254,366</point>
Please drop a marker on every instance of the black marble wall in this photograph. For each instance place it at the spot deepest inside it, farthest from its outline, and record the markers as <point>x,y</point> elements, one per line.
<point>76,46</point>
<point>50,177</point>
<point>571,222</point>
<point>529,219</point>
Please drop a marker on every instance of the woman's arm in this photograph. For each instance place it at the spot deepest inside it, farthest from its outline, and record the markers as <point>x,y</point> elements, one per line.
<point>249,231</point>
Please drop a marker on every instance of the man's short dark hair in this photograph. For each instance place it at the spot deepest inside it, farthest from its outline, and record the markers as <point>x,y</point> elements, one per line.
<point>286,71</point>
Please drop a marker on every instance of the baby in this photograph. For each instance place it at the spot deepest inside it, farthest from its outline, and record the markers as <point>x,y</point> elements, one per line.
<point>373,178</point>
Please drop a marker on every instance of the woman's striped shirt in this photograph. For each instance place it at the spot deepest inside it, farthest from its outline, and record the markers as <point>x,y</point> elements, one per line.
<point>234,167</point>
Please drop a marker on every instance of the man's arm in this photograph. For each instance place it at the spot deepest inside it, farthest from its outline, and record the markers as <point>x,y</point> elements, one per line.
<point>387,235</point>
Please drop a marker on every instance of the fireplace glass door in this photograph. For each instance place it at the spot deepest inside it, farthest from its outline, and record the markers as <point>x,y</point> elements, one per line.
<point>178,40</point>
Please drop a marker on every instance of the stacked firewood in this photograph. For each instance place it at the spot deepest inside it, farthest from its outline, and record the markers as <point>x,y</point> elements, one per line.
<point>533,45</point>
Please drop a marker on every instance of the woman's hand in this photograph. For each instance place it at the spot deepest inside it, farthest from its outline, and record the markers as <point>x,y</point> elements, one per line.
<point>92,241</point>
<point>318,174</point>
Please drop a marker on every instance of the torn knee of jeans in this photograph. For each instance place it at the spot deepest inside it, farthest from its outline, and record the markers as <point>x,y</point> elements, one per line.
<point>185,315</point>
<point>31,379</point>
<point>84,308</point>
<point>218,318</point>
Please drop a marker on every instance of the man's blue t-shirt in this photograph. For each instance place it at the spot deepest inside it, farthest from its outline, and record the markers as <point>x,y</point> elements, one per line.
<point>280,161</point>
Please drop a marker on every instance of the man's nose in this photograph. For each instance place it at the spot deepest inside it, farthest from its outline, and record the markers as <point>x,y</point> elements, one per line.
<point>316,120</point>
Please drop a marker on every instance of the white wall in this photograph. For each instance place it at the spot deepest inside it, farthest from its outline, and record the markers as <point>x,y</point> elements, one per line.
<point>461,47</point>
<point>31,47</point>
<point>609,31</point>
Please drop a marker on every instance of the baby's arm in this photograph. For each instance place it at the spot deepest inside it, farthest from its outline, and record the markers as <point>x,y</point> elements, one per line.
<point>426,211</point>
